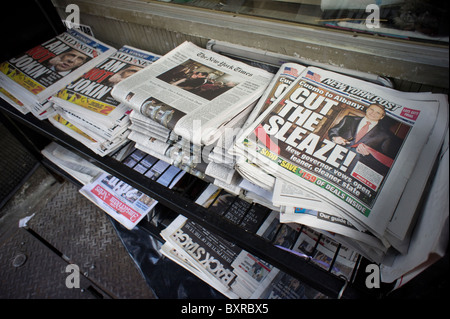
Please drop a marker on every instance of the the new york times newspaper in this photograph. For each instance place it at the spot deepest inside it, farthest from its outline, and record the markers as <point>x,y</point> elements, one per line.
<point>38,73</point>
<point>193,91</point>
<point>308,135</point>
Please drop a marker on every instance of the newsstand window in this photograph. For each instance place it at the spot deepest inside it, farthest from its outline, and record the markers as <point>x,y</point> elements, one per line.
<point>416,20</point>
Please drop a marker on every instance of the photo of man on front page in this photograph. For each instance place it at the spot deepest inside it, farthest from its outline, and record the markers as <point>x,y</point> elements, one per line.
<point>318,134</point>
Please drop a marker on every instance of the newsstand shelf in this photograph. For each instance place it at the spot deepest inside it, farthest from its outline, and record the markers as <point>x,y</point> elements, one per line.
<point>296,266</point>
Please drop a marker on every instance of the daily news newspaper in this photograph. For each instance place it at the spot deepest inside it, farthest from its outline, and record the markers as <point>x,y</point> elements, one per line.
<point>193,91</point>
<point>28,79</point>
<point>88,99</point>
<point>307,136</point>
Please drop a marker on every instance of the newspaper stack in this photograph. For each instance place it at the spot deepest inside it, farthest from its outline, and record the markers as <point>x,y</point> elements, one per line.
<point>28,80</point>
<point>309,151</point>
<point>189,106</point>
<point>227,268</point>
<point>237,273</point>
<point>87,111</point>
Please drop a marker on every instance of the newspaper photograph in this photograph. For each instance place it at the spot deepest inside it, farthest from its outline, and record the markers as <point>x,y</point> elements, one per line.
<point>193,91</point>
<point>308,135</point>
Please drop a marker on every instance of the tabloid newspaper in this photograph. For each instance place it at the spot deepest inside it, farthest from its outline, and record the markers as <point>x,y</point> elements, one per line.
<point>251,277</point>
<point>96,143</point>
<point>211,254</point>
<point>229,269</point>
<point>89,96</point>
<point>123,202</point>
<point>307,136</point>
<point>28,79</point>
<point>85,108</point>
<point>193,91</point>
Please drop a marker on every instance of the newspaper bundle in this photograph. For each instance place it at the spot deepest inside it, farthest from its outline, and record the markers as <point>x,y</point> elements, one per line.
<point>237,273</point>
<point>188,108</point>
<point>229,269</point>
<point>29,79</point>
<point>87,111</point>
<point>305,150</point>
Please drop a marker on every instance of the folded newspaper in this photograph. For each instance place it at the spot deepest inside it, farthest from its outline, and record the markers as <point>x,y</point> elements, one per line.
<point>29,79</point>
<point>229,269</point>
<point>193,91</point>
<point>85,108</point>
<point>367,183</point>
<point>123,202</point>
<point>201,89</point>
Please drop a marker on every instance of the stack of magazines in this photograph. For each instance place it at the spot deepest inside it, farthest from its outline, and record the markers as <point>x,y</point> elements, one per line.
<point>188,108</point>
<point>87,111</point>
<point>349,157</point>
<point>29,79</point>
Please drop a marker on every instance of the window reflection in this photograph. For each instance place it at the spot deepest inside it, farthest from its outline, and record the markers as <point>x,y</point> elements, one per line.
<point>419,20</point>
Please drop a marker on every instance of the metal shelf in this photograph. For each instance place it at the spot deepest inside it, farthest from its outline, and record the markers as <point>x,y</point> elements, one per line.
<point>296,266</point>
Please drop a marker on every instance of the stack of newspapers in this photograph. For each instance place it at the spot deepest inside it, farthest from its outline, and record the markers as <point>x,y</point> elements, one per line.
<point>228,268</point>
<point>29,79</point>
<point>350,157</point>
<point>239,274</point>
<point>87,111</point>
<point>188,108</point>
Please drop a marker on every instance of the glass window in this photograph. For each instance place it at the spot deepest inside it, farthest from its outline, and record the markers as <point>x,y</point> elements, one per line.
<point>419,20</point>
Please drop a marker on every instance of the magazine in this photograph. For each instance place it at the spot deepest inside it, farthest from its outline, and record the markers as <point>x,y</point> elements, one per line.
<point>29,79</point>
<point>193,91</point>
